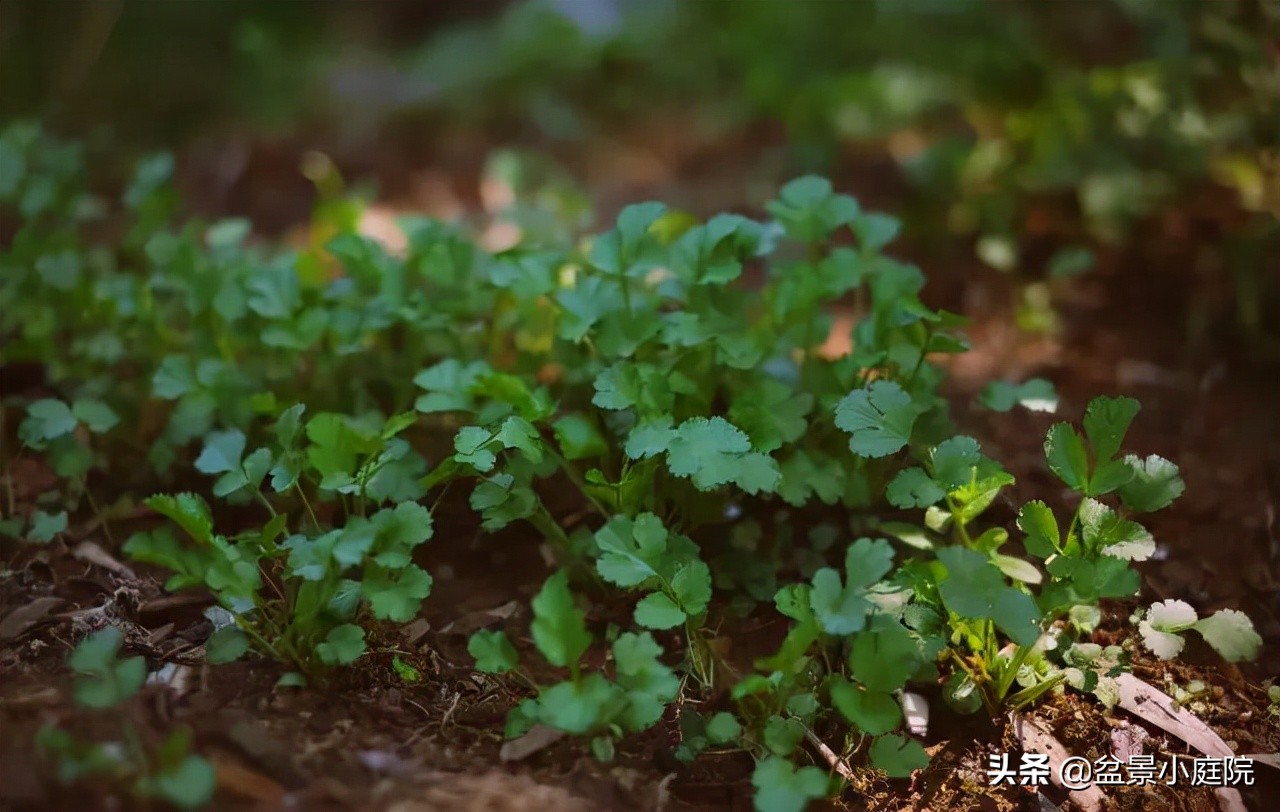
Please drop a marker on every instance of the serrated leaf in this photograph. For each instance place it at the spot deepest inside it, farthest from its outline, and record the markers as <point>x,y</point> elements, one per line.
<point>1161,629</point>
<point>492,651</point>
<point>1064,450</point>
<point>1106,421</point>
<point>783,734</point>
<point>723,728</point>
<point>580,707</point>
<point>95,414</point>
<point>471,445</point>
<point>222,452</point>
<point>1231,634</point>
<point>843,608</point>
<point>1155,483</point>
<point>343,645</point>
<point>884,657</point>
<point>559,629</point>
<point>714,452</point>
<point>1040,529</point>
<point>657,611</point>
<point>974,588</point>
<point>913,487</point>
<point>872,712</point>
<point>771,414</point>
<point>898,756</point>
<point>631,550</point>
<point>649,684</point>
<point>44,526</point>
<point>579,438</point>
<point>47,419</point>
<point>395,594</point>
<point>1105,531</point>
<point>225,645</point>
<point>879,419</point>
<point>781,787</point>
<point>692,587</point>
<point>189,511</point>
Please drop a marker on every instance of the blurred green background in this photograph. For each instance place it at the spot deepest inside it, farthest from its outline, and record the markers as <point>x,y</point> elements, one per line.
<point>1137,141</point>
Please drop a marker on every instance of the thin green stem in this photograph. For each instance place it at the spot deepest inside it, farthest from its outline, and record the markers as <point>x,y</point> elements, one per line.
<point>306,504</point>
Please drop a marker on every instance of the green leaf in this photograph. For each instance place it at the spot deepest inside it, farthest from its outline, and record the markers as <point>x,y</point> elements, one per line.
<point>898,756</point>
<point>471,444</point>
<point>1231,634</point>
<point>657,611</point>
<point>580,707</point>
<point>95,414</point>
<point>884,657</point>
<point>692,587</point>
<point>714,452</point>
<point>188,785</point>
<point>1040,528</point>
<point>222,452</point>
<point>912,487</point>
<point>1105,532</point>
<point>189,511</point>
<point>44,526</point>
<point>781,787</point>
<point>723,728</point>
<point>343,645</point>
<point>844,608</point>
<point>809,209</point>
<point>1163,625</point>
<point>406,672</point>
<point>559,628</point>
<point>783,734</point>
<point>954,461</point>
<point>579,438</point>
<point>1154,485</point>
<point>47,419</point>
<point>1065,453</point>
<point>771,414</point>
<point>1035,394</point>
<point>225,645</point>
<point>875,230</point>
<point>975,588</point>
<point>650,684</point>
<point>1106,421</point>
<point>449,386</point>
<point>1109,476</point>
<point>650,438</point>
<point>492,651</point>
<point>873,712</point>
<point>879,419</point>
<point>631,550</point>
<point>102,680</point>
<point>396,594</point>
<point>501,500</point>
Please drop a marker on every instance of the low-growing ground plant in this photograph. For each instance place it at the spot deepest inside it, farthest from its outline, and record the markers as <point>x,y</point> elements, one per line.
<point>687,418</point>
<point>167,771</point>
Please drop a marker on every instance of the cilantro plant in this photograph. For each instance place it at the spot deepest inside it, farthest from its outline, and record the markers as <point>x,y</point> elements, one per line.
<point>663,425</point>
<point>103,681</point>
<point>294,589</point>
<point>585,703</point>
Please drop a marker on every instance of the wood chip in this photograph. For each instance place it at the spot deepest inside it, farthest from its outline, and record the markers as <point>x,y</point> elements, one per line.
<point>91,553</point>
<point>1158,708</point>
<point>538,738</point>
<point>1036,739</point>
<point>21,620</point>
